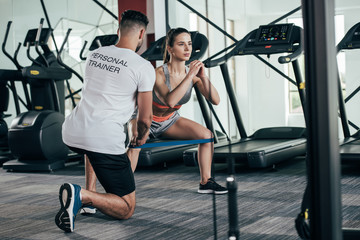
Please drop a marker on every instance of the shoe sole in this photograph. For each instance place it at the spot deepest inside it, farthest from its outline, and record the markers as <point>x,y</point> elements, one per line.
<point>64,218</point>
<point>211,191</point>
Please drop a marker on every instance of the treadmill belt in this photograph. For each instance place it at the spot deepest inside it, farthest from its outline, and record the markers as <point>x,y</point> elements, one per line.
<point>248,146</point>
<point>260,153</point>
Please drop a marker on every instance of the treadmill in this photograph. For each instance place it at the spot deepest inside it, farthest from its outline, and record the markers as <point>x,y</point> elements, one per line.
<point>350,145</point>
<point>266,146</point>
<point>158,155</point>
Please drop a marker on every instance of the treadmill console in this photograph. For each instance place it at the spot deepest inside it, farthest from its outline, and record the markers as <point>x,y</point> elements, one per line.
<point>31,36</point>
<point>104,40</point>
<point>273,34</point>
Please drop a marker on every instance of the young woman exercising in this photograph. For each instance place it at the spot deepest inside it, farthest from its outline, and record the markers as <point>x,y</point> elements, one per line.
<point>173,86</point>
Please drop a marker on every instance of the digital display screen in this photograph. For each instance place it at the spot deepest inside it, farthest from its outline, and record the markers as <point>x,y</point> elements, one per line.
<point>31,36</point>
<point>273,34</point>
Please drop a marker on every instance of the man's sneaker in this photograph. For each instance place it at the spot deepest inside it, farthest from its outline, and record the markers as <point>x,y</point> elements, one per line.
<point>86,209</point>
<point>70,202</point>
<point>212,187</point>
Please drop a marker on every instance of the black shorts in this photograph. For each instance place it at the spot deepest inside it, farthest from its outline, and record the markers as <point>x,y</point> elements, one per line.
<point>113,171</point>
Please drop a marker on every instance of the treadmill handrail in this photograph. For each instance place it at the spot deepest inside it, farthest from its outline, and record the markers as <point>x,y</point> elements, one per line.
<point>343,44</point>
<point>292,56</point>
<point>219,61</point>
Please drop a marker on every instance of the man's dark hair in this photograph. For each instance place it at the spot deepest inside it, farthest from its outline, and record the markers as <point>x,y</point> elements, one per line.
<point>131,17</point>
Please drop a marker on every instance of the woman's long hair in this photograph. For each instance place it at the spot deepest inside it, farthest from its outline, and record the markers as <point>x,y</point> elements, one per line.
<point>170,38</point>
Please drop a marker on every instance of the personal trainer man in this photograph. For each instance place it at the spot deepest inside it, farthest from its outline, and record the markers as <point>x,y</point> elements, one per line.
<point>117,80</point>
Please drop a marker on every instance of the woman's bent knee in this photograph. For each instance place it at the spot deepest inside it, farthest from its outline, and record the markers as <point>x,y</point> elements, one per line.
<point>207,134</point>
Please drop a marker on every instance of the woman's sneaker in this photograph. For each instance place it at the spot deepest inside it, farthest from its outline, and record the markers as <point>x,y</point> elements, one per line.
<point>70,203</point>
<point>212,187</point>
<point>86,209</point>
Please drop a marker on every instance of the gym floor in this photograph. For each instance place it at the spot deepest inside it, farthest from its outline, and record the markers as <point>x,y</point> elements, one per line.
<point>168,205</point>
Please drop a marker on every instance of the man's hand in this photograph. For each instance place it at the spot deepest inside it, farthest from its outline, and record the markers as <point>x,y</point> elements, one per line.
<point>144,100</point>
<point>133,131</point>
<point>143,133</point>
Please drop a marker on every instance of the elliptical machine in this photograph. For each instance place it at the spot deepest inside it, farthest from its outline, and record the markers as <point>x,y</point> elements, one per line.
<point>35,136</point>
<point>4,103</point>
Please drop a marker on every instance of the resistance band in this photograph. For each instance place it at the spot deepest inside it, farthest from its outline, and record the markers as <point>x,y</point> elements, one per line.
<point>174,143</point>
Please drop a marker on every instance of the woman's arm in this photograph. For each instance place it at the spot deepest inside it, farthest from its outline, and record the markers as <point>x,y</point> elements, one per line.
<point>205,87</point>
<point>173,97</point>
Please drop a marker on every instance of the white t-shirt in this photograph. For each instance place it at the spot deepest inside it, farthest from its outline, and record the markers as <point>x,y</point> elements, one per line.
<point>113,76</point>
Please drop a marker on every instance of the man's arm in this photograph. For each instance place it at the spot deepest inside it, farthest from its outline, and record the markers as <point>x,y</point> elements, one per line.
<point>144,101</point>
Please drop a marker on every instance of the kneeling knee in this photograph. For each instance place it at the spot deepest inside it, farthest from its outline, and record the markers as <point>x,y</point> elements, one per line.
<point>128,212</point>
<point>127,216</point>
<point>124,214</point>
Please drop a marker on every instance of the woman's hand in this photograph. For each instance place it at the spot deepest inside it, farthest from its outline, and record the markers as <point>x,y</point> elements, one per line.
<point>201,74</point>
<point>194,68</point>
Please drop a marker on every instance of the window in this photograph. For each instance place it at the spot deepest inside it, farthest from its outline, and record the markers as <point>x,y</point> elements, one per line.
<point>230,28</point>
<point>72,51</point>
<point>193,22</point>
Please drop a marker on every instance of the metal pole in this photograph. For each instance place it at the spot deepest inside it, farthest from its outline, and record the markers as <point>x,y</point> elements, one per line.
<point>207,20</point>
<point>233,233</point>
<point>300,85</point>
<point>205,113</point>
<point>167,25</point>
<point>217,120</point>
<point>342,110</point>
<point>351,95</point>
<point>233,101</point>
<point>49,24</point>
<point>322,145</point>
<point>106,10</point>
